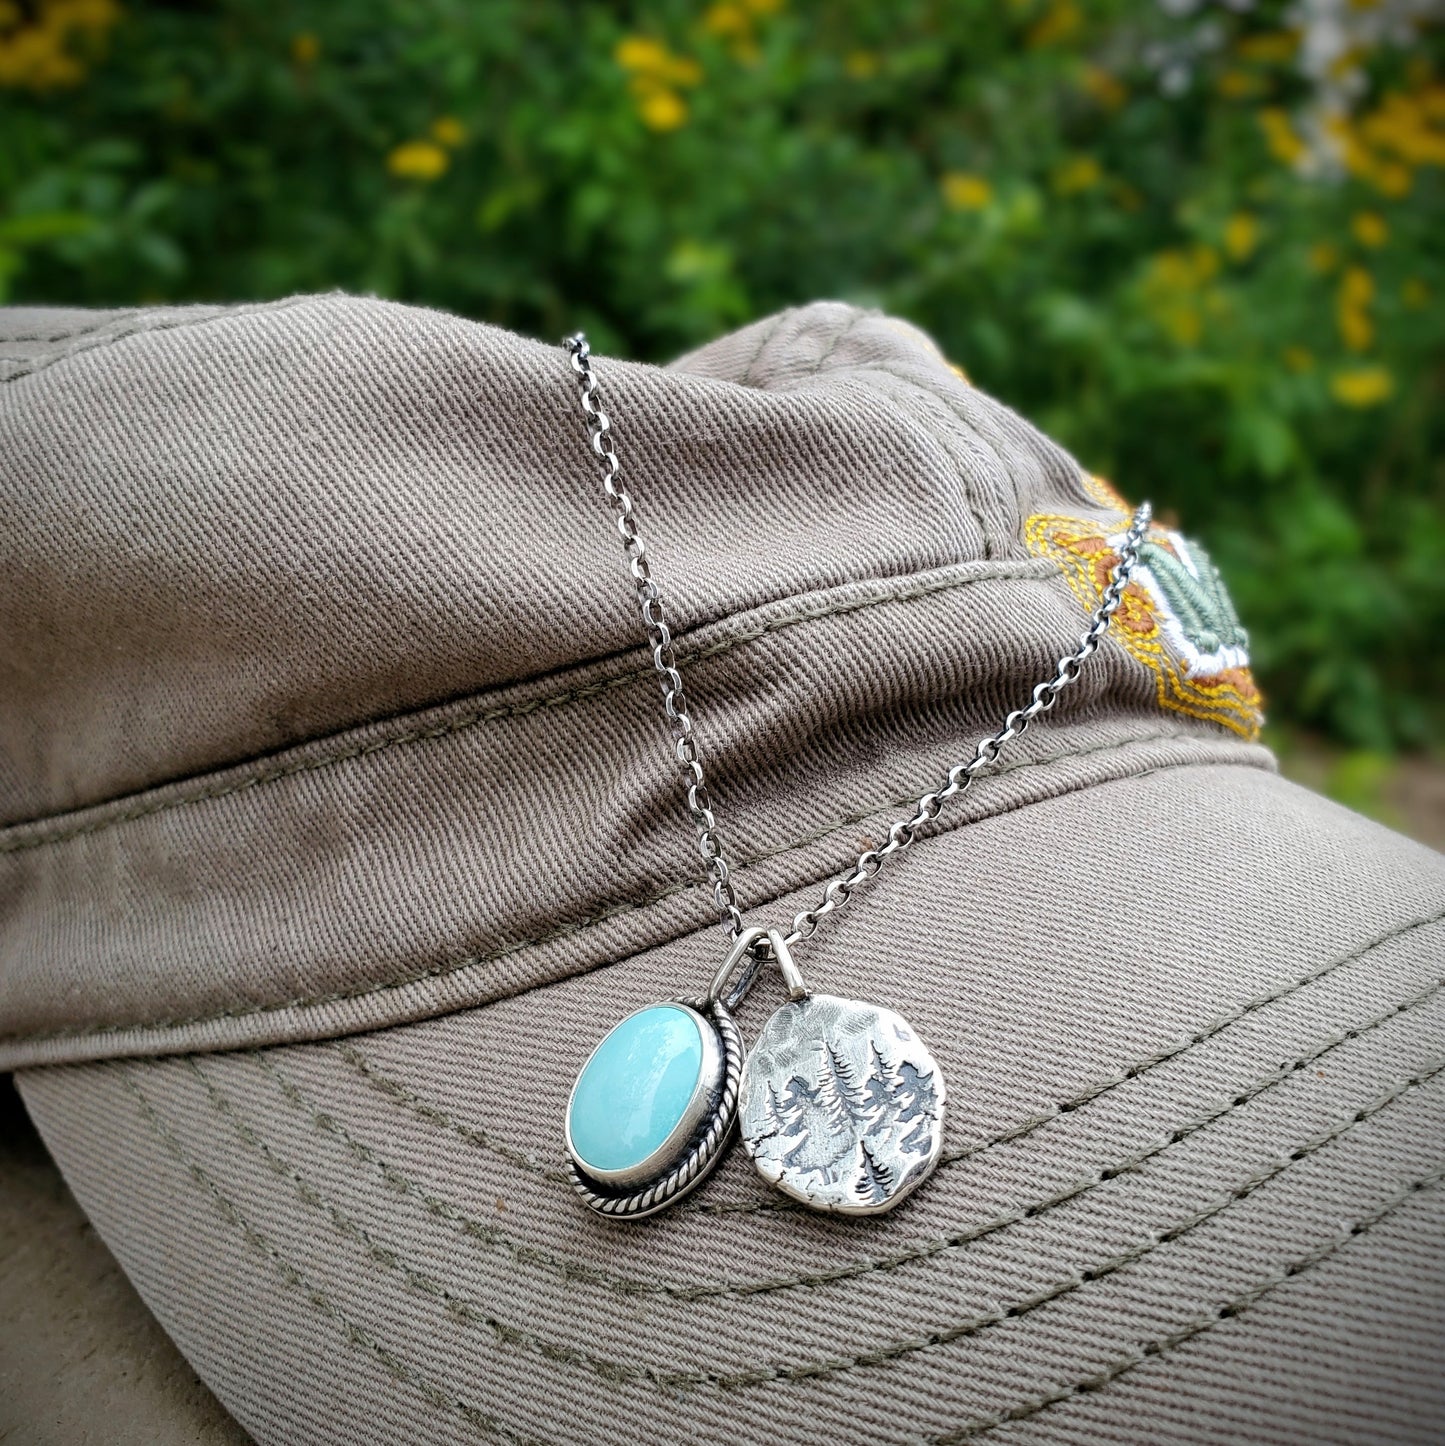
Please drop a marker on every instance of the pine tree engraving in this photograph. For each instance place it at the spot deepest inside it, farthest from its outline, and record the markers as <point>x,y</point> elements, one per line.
<point>875,1179</point>
<point>838,1095</point>
<point>878,1088</point>
<point>809,1134</point>
<point>919,1139</point>
<point>848,1111</point>
<point>780,1119</point>
<point>915,1095</point>
<point>798,1098</point>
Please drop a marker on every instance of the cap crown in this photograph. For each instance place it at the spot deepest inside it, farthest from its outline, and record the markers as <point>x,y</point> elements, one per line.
<point>325,703</point>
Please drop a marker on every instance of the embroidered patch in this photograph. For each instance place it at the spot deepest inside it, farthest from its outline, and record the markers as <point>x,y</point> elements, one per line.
<point>1175,617</point>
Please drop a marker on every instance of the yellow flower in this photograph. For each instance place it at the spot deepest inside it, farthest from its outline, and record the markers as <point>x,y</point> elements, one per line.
<point>657,75</point>
<point>1079,173</point>
<point>1272,46</point>
<point>1299,359</point>
<point>34,57</point>
<point>1174,289</point>
<point>35,47</point>
<point>448,130</point>
<point>1357,291</point>
<point>729,21</point>
<point>1362,386</point>
<point>662,109</point>
<point>1280,135</point>
<point>639,52</point>
<point>1393,180</point>
<point>1357,287</point>
<point>1236,84</point>
<point>1103,87</point>
<point>1061,20</point>
<point>1369,228</point>
<point>1183,270</point>
<point>305,48</point>
<point>417,161</point>
<point>1241,235</point>
<point>735,21</point>
<point>1414,293</point>
<point>963,191</point>
<point>1404,123</point>
<point>1323,257</point>
<point>861,64</point>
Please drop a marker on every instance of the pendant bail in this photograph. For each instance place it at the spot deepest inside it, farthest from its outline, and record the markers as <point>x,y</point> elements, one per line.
<point>783,957</point>
<point>758,946</point>
<point>744,947</point>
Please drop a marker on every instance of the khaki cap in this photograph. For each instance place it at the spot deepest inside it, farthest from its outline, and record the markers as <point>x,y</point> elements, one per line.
<point>338,826</point>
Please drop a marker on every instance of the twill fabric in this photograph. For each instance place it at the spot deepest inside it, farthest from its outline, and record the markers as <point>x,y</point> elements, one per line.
<point>339,824</point>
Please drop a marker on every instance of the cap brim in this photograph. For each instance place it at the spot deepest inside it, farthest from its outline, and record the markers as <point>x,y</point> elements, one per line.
<point>1192,1027</point>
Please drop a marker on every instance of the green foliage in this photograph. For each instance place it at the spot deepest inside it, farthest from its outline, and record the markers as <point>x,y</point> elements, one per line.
<point>1361,780</point>
<point>1150,232</point>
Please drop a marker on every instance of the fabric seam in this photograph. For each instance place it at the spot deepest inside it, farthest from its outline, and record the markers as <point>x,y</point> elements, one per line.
<point>401,1096</point>
<point>1014,572</point>
<point>292,1277</point>
<point>610,911</point>
<point>941,423</point>
<point>928,394</point>
<point>950,413</point>
<point>616,1372</point>
<point>1153,1239</point>
<point>921,1250</point>
<point>1228,1310</point>
<point>476,1417</point>
<point>41,364</point>
<point>746,380</point>
<point>50,338</point>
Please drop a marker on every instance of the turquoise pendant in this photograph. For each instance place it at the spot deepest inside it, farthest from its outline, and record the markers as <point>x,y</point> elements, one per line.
<point>653,1106</point>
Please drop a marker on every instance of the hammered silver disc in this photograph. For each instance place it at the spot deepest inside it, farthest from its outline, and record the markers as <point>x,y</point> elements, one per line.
<point>841,1105</point>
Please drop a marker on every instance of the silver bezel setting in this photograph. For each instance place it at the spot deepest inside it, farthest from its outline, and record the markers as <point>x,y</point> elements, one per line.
<point>704,1090</point>
<point>695,1145</point>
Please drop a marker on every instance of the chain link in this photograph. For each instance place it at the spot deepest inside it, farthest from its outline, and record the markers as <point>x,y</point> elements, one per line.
<point>674,700</point>
<point>659,637</point>
<point>1045,695</point>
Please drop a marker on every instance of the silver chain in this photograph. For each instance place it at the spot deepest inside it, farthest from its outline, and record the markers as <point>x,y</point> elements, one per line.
<point>649,600</point>
<point>674,700</point>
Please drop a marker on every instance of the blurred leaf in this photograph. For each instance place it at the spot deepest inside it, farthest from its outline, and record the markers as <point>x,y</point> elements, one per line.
<point>41,226</point>
<point>1265,440</point>
<point>160,253</point>
<point>1360,780</point>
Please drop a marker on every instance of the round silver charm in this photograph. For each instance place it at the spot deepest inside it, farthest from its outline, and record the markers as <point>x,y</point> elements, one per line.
<point>841,1105</point>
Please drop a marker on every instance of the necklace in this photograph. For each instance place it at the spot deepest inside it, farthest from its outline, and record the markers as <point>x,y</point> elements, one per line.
<point>839,1103</point>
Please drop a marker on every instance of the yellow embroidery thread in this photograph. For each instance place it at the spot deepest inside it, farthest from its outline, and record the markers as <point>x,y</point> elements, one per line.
<point>1082,548</point>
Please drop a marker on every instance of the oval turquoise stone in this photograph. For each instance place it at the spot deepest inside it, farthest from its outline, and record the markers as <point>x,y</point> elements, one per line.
<point>634,1091</point>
